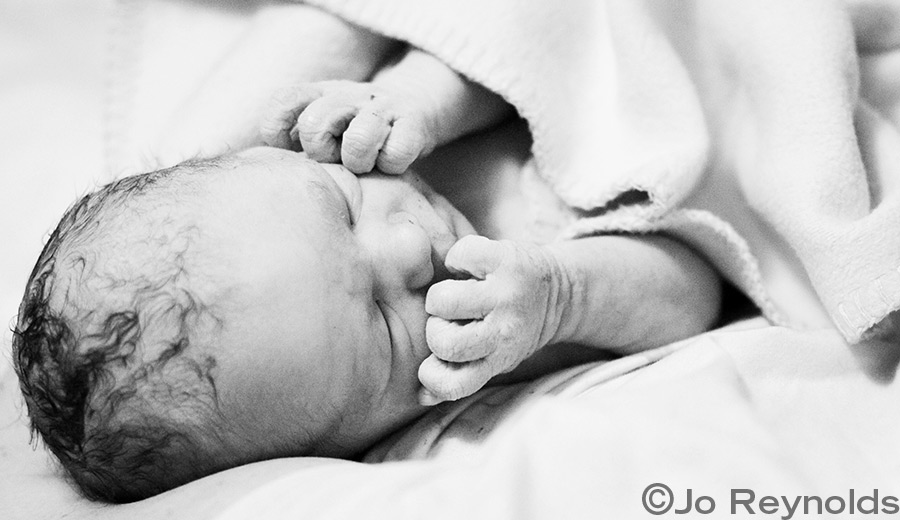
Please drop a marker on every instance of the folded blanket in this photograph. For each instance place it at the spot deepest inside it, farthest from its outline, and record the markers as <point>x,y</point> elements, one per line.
<point>730,124</point>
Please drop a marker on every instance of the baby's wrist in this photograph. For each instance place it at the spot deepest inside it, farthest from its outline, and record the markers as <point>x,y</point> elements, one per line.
<point>560,322</point>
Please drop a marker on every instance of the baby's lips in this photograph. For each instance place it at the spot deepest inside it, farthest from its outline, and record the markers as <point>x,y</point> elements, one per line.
<point>441,245</point>
<point>441,242</point>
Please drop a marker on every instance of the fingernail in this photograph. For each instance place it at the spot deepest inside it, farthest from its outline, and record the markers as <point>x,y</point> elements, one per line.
<point>426,398</point>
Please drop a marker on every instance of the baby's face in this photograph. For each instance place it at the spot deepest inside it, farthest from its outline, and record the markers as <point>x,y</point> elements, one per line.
<point>323,278</point>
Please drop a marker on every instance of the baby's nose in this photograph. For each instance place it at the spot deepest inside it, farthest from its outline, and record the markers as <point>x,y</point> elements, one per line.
<point>406,254</point>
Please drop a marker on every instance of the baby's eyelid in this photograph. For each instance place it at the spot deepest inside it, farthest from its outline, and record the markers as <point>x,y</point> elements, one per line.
<point>351,218</point>
<point>348,212</point>
<point>354,206</point>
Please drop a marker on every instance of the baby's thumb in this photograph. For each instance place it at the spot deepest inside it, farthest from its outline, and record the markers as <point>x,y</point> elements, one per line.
<point>443,381</point>
<point>474,255</point>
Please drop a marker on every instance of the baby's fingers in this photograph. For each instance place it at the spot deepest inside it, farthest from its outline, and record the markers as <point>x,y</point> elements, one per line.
<point>475,256</point>
<point>459,341</point>
<point>363,140</point>
<point>405,144</point>
<point>451,381</point>
<point>280,116</point>
<point>460,299</point>
<point>321,126</point>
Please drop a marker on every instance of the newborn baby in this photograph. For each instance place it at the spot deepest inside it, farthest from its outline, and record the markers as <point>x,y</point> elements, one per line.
<point>261,305</point>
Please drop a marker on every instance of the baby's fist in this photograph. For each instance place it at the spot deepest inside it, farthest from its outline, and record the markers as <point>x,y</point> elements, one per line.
<point>491,321</point>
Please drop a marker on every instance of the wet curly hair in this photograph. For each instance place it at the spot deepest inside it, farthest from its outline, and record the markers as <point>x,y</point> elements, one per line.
<point>112,350</point>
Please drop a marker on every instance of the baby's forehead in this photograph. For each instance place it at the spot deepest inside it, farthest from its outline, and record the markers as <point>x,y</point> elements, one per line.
<point>174,223</point>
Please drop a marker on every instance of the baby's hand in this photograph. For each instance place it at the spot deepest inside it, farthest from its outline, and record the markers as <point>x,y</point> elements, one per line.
<point>488,324</point>
<point>359,124</point>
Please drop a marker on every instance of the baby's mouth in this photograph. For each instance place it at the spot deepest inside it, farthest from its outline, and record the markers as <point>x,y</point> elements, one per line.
<point>442,242</point>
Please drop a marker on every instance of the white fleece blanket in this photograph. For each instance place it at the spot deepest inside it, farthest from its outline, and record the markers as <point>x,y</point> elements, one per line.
<point>739,123</point>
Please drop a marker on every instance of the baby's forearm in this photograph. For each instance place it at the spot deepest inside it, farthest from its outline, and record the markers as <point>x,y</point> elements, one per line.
<point>630,293</point>
<point>620,293</point>
<point>455,106</point>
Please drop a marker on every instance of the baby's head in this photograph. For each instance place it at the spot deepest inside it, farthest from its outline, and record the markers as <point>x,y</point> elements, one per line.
<point>225,311</point>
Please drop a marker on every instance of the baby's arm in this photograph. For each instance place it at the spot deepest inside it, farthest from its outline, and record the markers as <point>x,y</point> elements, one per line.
<point>622,293</point>
<point>407,110</point>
